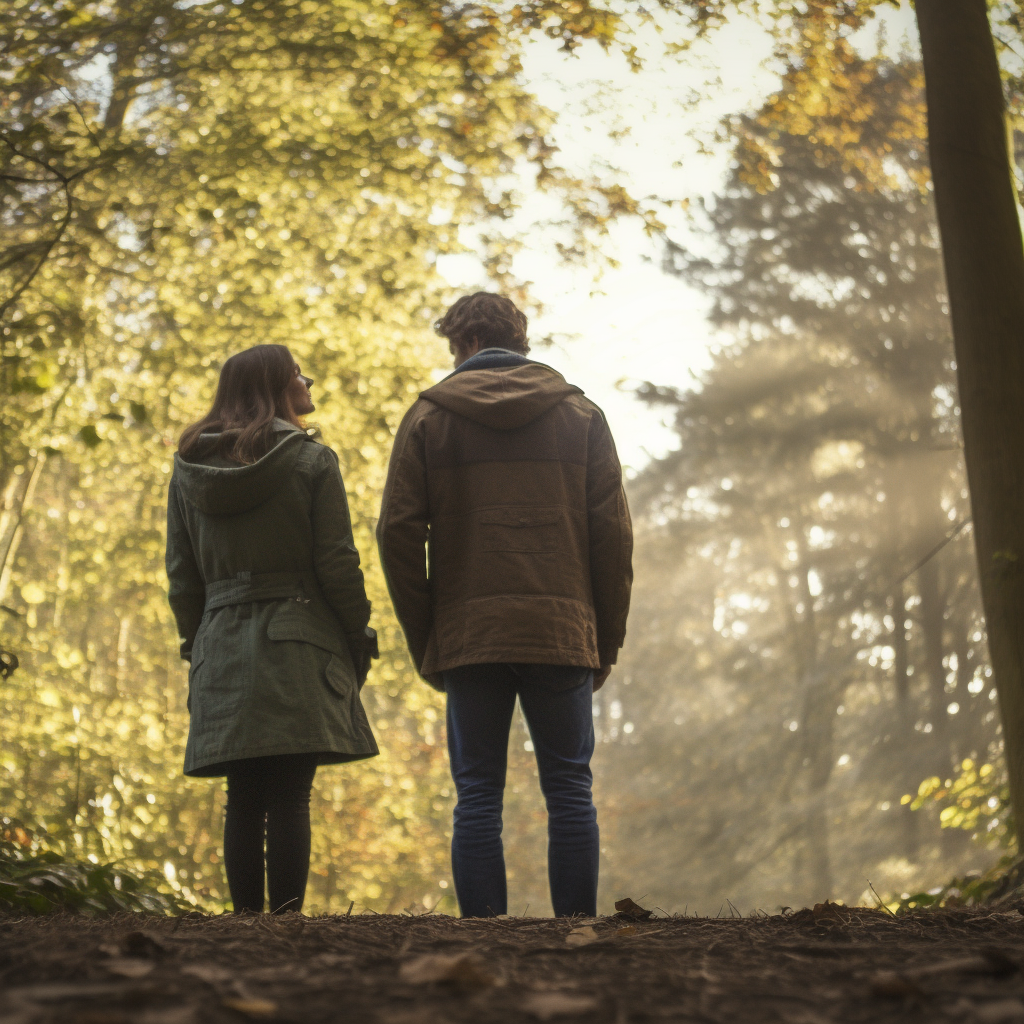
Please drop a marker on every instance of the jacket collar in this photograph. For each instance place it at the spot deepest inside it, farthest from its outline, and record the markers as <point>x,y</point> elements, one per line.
<point>490,359</point>
<point>280,424</point>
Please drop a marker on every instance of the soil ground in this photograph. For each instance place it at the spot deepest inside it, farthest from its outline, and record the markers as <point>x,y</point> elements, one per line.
<point>830,964</point>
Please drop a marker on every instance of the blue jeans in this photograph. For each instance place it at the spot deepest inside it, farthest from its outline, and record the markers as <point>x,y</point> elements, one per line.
<point>558,710</point>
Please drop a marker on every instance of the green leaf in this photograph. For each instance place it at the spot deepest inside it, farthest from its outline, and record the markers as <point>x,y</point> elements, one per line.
<point>88,436</point>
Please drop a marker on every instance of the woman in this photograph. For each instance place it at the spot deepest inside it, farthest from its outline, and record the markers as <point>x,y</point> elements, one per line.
<point>268,595</point>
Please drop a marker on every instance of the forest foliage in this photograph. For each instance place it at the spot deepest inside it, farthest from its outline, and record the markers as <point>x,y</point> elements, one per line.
<point>38,879</point>
<point>180,181</point>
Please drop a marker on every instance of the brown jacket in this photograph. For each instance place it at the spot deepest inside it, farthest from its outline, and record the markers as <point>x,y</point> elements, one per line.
<point>504,532</point>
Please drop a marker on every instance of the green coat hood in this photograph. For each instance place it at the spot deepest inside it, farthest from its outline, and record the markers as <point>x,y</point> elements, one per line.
<point>220,488</point>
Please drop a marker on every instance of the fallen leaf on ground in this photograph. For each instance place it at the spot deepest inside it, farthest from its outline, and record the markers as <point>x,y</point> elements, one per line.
<point>581,936</point>
<point>991,961</point>
<point>257,1009</point>
<point>829,911</point>
<point>169,1015</point>
<point>129,966</point>
<point>546,1005</point>
<point>142,944</point>
<point>998,1011</point>
<point>466,970</point>
<point>627,908</point>
<point>210,973</point>
<point>329,960</point>
<point>891,985</point>
<point>629,929</point>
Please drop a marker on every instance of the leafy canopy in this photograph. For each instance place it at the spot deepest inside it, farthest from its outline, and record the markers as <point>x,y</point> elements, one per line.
<point>179,181</point>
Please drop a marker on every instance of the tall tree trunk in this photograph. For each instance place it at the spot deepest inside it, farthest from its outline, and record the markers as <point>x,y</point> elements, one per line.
<point>16,501</point>
<point>817,729</point>
<point>984,259</point>
<point>124,632</point>
<point>966,739</point>
<point>905,738</point>
<point>904,749</point>
<point>933,620</point>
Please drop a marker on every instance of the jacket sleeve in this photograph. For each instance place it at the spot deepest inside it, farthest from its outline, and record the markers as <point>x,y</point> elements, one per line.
<point>335,557</point>
<point>402,532</point>
<point>186,589</point>
<point>611,540</point>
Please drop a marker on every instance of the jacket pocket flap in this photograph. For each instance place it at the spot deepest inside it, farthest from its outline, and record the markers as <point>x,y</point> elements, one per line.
<point>306,632</point>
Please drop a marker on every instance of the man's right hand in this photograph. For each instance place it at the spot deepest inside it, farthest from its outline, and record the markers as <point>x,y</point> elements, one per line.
<point>600,676</point>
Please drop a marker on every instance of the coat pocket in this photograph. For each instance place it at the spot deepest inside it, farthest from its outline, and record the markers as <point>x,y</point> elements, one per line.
<point>526,530</point>
<point>340,677</point>
<point>296,626</point>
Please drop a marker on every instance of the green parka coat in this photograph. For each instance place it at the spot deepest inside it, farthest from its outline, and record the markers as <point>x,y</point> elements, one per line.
<point>265,585</point>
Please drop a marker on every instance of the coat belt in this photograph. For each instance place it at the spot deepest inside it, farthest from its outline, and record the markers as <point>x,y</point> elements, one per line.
<point>264,586</point>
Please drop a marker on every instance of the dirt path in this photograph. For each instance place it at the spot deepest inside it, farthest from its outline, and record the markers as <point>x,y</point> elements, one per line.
<point>808,968</point>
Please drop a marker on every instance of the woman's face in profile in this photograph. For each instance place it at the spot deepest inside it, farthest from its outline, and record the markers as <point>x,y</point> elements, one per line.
<point>297,394</point>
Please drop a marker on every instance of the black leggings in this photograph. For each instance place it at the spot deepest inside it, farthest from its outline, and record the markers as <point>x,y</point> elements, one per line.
<point>268,796</point>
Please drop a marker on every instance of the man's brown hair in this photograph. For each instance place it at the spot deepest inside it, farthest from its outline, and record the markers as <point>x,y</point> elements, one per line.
<point>492,319</point>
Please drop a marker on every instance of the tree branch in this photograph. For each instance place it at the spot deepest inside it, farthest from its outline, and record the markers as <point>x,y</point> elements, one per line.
<point>61,231</point>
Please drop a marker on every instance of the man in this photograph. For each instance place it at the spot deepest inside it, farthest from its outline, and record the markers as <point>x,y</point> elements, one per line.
<point>506,544</point>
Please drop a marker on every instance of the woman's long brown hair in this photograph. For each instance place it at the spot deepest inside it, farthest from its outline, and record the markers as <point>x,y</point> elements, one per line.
<point>250,394</point>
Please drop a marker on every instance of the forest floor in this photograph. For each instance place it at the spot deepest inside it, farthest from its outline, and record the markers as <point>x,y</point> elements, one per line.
<point>830,964</point>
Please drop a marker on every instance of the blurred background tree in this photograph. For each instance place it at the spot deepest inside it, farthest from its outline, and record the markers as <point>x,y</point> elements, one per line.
<point>809,643</point>
<point>973,98</point>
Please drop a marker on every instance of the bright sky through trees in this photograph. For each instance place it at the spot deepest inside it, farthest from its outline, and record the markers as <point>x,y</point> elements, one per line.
<point>655,133</point>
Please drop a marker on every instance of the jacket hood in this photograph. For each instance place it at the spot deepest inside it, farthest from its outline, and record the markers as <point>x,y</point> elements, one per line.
<point>502,397</point>
<point>218,488</point>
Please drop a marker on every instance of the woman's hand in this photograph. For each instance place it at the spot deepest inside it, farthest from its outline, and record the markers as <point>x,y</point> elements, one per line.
<point>363,648</point>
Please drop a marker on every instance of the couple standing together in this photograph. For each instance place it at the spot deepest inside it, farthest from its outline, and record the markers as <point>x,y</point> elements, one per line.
<point>506,544</point>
